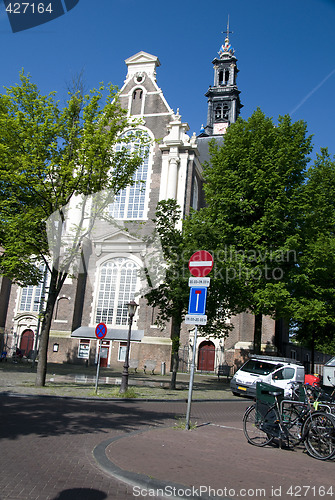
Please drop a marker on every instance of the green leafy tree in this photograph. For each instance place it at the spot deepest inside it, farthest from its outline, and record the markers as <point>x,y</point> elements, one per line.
<point>253,188</point>
<point>50,158</point>
<point>313,282</point>
<point>170,297</point>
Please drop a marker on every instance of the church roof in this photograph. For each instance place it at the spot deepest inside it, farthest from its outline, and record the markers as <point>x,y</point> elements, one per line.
<point>203,146</point>
<point>226,49</point>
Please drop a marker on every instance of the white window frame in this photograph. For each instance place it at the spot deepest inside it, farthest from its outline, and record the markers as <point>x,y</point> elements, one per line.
<point>122,351</point>
<point>139,188</point>
<point>120,277</point>
<point>30,296</point>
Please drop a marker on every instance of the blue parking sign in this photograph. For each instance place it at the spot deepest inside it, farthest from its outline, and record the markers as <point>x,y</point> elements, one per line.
<point>197,300</point>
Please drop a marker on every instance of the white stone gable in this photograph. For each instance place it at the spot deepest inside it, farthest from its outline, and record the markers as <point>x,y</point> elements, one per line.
<point>119,241</point>
<point>142,62</point>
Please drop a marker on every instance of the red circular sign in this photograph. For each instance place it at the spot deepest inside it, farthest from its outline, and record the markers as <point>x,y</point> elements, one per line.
<point>100,330</point>
<point>200,264</point>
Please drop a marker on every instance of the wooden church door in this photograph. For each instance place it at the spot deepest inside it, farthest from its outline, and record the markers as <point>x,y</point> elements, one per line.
<point>27,342</point>
<point>206,356</point>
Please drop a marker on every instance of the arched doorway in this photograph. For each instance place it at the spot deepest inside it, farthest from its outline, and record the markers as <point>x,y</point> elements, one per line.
<point>206,356</point>
<point>27,342</point>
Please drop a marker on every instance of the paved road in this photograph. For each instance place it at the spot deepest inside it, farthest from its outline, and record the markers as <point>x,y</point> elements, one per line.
<point>47,449</point>
<point>46,443</point>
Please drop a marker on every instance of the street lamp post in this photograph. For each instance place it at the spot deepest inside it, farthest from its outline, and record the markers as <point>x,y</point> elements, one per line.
<point>132,306</point>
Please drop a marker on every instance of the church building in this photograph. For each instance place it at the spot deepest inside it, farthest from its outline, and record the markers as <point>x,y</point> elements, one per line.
<point>116,253</point>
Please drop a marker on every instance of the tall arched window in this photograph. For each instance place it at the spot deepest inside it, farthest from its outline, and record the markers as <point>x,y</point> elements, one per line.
<point>117,286</point>
<point>137,104</point>
<point>31,296</point>
<point>195,194</point>
<point>225,109</point>
<point>130,202</point>
<point>137,94</point>
<point>218,113</point>
<point>226,76</point>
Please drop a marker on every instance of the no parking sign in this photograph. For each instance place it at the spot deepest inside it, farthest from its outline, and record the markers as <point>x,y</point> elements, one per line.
<point>100,331</point>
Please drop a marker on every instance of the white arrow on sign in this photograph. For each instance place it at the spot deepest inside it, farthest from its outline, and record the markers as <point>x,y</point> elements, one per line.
<point>197,292</point>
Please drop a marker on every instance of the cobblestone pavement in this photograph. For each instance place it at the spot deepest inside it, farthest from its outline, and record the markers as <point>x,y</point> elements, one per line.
<point>47,443</point>
<point>49,452</point>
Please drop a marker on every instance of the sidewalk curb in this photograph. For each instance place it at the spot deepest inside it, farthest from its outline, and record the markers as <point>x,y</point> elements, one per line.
<point>134,479</point>
<point>97,398</point>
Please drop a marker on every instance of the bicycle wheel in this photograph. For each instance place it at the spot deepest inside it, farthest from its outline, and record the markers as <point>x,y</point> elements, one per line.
<point>293,421</point>
<point>319,435</point>
<point>252,422</point>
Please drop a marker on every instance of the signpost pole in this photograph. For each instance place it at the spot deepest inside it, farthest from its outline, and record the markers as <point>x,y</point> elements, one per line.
<point>190,389</point>
<point>100,333</point>
<point>98,367</point>
<point>200,264</point>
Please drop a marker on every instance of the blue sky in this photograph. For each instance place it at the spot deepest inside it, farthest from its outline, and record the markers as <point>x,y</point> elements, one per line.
<point>285,51</point>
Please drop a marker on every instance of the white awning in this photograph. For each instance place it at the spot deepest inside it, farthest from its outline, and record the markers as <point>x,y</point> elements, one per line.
<point>88,332</point>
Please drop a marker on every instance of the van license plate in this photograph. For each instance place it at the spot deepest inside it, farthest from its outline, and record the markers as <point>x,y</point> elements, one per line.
<point>242,388</point>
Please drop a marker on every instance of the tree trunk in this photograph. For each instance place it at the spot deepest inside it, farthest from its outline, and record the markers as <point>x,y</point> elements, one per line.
<point>175,363</point>
<point>175,352</point>
<point>258,333</point>
<point>45,331</point>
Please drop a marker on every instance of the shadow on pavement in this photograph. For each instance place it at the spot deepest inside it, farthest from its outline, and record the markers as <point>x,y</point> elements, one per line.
<point>81,494</point>
<point>52,416</point>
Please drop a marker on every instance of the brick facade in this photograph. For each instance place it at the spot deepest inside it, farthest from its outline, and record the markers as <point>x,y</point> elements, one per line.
<point>174,169</point>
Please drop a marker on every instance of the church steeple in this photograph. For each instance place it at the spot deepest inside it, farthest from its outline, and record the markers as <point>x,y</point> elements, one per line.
<point>224,97</point>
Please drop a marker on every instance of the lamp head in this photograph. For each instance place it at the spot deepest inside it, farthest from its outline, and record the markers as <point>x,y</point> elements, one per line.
<point>132,306</point>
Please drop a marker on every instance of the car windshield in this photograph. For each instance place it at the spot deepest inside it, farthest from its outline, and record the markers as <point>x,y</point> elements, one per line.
<point>259,367</point>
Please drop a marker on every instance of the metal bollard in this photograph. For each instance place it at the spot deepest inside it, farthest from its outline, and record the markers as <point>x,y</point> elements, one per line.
<point>163,366</point>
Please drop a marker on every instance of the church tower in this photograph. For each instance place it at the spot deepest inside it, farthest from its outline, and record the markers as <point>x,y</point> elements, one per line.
<point>223,97</point>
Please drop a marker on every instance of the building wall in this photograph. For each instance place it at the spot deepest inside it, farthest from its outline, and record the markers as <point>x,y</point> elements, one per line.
<point>172,165</point>
<point>176,172</point>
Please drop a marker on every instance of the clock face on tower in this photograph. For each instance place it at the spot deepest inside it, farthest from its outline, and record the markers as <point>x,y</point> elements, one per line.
<point>220,128</point>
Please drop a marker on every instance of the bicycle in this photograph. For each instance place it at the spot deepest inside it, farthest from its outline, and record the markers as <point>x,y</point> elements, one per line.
<point>261,424</point>
<point>321,398</point>
<point>269,419</point>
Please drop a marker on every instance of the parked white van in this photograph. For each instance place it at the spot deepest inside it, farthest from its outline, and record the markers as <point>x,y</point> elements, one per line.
<point>270,369</point>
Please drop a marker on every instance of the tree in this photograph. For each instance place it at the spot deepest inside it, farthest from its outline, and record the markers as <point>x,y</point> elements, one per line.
<point>253,191</point>
<point>171,296</point>
<point>313,282</point>
<point>53,161</point>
